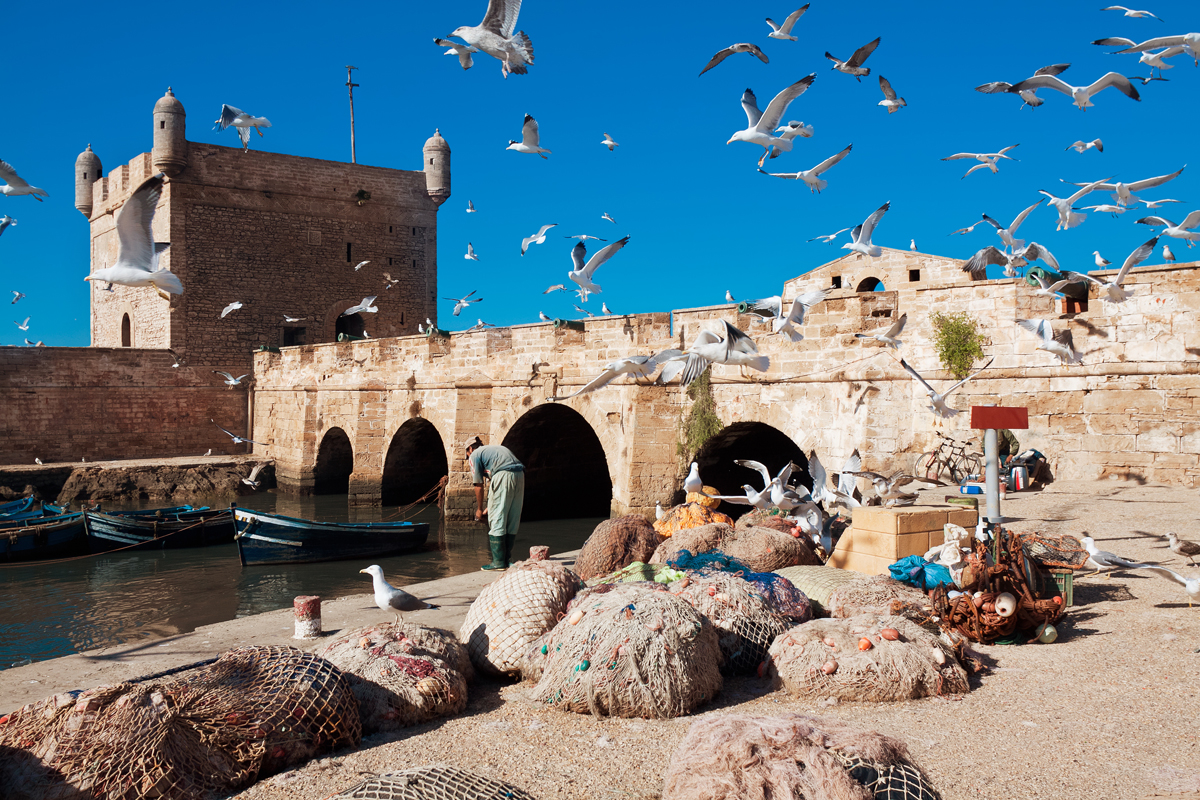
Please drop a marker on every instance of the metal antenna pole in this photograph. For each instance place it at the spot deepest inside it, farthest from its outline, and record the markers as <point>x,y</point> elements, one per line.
<point>350,84</point>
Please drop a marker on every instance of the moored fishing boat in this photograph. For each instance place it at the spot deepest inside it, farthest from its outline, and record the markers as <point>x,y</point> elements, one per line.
<point>274,539</point>
<point>41,538</point>
<point>155,529</point>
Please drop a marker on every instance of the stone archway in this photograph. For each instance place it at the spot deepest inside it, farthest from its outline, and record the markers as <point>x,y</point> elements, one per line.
<point>869,284</point>
<point>756,441</point>
<point>335,462</point>
<point>415,462</point>
<point>566,472</point>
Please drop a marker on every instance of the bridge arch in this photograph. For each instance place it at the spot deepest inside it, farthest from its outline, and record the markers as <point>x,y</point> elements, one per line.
<point>335,462</point>
<point>415,462</point>
<point>566,470</point>
<point>756,441</point>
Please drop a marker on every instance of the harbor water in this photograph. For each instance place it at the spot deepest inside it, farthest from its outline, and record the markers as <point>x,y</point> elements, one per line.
<point>58,608</point>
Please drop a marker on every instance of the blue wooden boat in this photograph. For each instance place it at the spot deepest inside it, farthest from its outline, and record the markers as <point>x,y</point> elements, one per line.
<point>159,529</point>
<point>273,539</point>
<point>19,518</point>
<point>16,506</point>
<point>44,538</point>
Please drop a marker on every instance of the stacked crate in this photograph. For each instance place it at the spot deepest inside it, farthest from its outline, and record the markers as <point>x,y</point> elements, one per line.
<point>879,537</point>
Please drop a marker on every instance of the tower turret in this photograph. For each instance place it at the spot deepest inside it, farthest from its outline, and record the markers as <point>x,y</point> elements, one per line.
<point>437,168</point>
<point>87,171</point>
<point>170,144</point>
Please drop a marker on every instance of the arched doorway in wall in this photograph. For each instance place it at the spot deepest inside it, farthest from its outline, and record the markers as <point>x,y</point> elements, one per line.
<point>415,462</point>
<point>335,462</point>
<point>566,473</point>
<point>126,332</point>
<point>755,441</point>
<point>352,325</point>
<point>869,284</point>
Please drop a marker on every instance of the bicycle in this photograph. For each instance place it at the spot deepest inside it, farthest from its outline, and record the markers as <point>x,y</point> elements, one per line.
<point>950,457</point>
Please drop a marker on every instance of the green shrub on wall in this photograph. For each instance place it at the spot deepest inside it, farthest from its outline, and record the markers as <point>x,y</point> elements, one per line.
<point>701,422</point>
<point>957,341</point>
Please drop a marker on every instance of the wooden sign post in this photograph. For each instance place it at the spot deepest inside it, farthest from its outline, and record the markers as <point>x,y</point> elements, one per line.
<point>990,419</point>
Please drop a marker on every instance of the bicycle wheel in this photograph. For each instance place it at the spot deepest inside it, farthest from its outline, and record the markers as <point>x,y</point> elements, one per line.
<point>928,465</point>
<point>969,464</point>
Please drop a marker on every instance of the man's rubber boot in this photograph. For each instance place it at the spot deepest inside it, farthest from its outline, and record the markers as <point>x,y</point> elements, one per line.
<point>509,540</point>
<point>496,545</point>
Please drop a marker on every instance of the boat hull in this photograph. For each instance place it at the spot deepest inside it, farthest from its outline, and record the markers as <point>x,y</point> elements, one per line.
<point>273,539</point>
<point>47,538</point>
<point>173,531</point>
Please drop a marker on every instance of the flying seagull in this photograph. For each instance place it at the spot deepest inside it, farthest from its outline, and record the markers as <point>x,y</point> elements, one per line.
<point>795,317</point>
<point>365,307</point>
<point>1058,344</point>
<point>15,185</point>
<point>229,379</point>
<point>470,255</point>
<point>1082,146</point>
<point>887,336</point>
<point>360,265</point>
<point>1190,585</point>
<point>784,31</point>
<point>5,221</point>
<point>286,318</point>
<point>985,159</point>
<point>584,311</point>
<point>1067,218</point>
<point>236,439</point>
<point>634,366</point>
<point>558,287</point>
<point>388,597</point>
<point>137,256</point>
<point>17,296</point>
<point>812,177</point>
<point>854,64</point>
<point>24,326</point>
<point>1123,193</point>
<point>1105,208</point>
<point>1080,95</point>
<point>229,309</point>
<point>890,100</point>
<point>243,122</point>
<point>742,47</point>
<point>828,238</point>
<point>389,281</point>
<point>1100,560</point>
<point>861,235</point>
<point>1029,95</point>
<point>1112,290</point>
<point>1157,203</point>
<point>537,238</point>
<point>494,36</point>
<point>938,401</point>
<point>610,143</point>
<point>463,51</point>
<point>968,229</point>
<point>888,488</point>
<point>752,497</point>
<point>733,347</point>
<point>1180,231</point>
<point>530,140</point>
<point>1189,41</point>
<point>1129,12</point>
<point>843,495</point>
<point>1007,235</point>
<point>583,237</point>
<point>462,302</point>
<point>471,207</point>
<point>1050,289</point>
<point>794,129</point>
<point>606,216</point>
<point>253,480</point>
<point>977,265</point>
<point>761,124</point>
<point>582,274</point>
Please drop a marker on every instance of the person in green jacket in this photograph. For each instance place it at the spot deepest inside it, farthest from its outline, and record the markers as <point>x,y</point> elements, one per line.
<point>1007,445</point>
<point>506,495</point>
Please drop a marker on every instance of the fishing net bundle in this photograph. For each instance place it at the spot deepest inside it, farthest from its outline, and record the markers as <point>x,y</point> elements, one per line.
<point>691,514</point>
<point>254,712</point>
<point>402,675</point>
<point>743,757</point>
<point>782,595</point>
<point>818,583</point>
<point>764,519</point>
<point>435,782</point>
<point>639,571</point>
<point>760,549</point>
<point>1060,552</point>
<point>509,613</point>
<point>882,595</point>
<point>616,543</point>
<point>626,650</point>
<point>826,658</point>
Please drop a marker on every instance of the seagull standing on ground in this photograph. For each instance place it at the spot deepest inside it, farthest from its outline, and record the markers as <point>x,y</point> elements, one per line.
<point>741,47</point>
<point>530,139</point>
<point>1190,585</point>
<point>582,274</point>
<point>854,64</point>
<point>1101,560</point>
<point>861,235</point>
<point>463,51</point>
<point>137,256</point>
<point>1167,255</point>
<point>912,245</point>
<point>15,185</point>
<point>1082,146</point>
<point>494,36</point>
<point>610,143</point>
<point>462,302</point>
<point>812,177</point>
<point>890,100</point>
<point>729,297</point>
<point>888,335</point>
<point>1101,261</point>
<point>388,597</point>
<point>692,482</point>
<point>544,318</point>
<point>243,122</point>
<point>1179,547</point>
<point>761,124</point>
<point>604,308</point>
<point>784,31</point>
<point>537,238</point>
<point>938,401</point>
<point>1058,344</point>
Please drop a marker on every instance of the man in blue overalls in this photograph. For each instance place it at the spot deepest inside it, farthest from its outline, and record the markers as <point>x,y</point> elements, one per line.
<point>506,496</point>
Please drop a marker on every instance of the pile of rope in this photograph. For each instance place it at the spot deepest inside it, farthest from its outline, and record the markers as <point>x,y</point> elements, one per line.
<point>626,650</point>
<point>760,549</point>
<point>513,611</point>
<point>433,783</point>
<point>402,675</point>
<point>253,712</point>
<point>881,595</point>
<point>1060,552</point>
<point>691,514</point>
<point>616,543</point>
<point>736,756</point>
<point>868,658</point>
<point>818,583</point>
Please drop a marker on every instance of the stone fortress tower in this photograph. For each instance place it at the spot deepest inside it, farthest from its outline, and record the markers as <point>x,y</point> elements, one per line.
<point>279,233</point>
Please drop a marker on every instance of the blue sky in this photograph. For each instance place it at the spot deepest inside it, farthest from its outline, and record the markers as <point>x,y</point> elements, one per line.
<point>702,220</point>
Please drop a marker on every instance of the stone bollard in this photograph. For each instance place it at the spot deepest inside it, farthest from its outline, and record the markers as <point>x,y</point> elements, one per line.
<point>539,553</point>
<point>308,616</point>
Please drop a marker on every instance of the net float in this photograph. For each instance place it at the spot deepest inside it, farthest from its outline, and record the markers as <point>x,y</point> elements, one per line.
<point>891,634</point>
<point>1006,604</point>
<point>829,667</point>
<point>865,644</point>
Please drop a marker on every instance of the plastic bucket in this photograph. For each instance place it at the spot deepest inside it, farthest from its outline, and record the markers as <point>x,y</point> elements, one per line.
<point>1018,478</point>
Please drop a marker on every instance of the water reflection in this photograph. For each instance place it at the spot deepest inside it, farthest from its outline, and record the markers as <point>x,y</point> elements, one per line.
<point>64,607</point>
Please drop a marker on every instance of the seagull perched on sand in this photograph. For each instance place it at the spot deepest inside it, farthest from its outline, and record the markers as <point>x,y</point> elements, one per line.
<point>784,31</point>
<point>1179,547</point>
<point>761,124</point>
<point>236,439</point>
<point>470,255</point>
<point>861,235</point>
<point>494,36</point>
<point>1080,95</point>
<point>1082,146</point>
<point>854,64</point>
<point>388,597</point>
<point>1190,585</point>
<point>5,221</point>
<point>537,238</point>
<point>1180,231</point>
<point>367,306</point>
<point>795,317</point>
<point>938,401</point>
<point>530,140</point>
<point>15,185</point>
<point>1129,12</point>
<point>229,309</point>
<point>610,143</point>
<point>1067,218</point>
<point>253,480</point>
<point>731,346</point>
<point>229,379</point>
<point>1123,193</point>
<point>742,47</point>
<point>1100,560</point>
<point>462,302</point>
<point>1112,290</point>
<point>137,255</point>
<point>888,335</point>
<point>634,366</point>
<point>812,177</point>
<point>829,237</point>
<point>582,274</point>
<point>1029,95</point>
<point>1167,255</point>
<point>17,296</point>
<point>243,122</point>
<point>985,159</point>
<point>890,100</point>
<point>463,51</point>
<point>1058,344</point>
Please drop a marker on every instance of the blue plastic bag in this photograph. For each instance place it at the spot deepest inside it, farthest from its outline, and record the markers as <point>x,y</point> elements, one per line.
<point>916,571</point>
